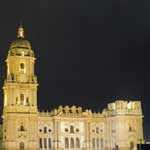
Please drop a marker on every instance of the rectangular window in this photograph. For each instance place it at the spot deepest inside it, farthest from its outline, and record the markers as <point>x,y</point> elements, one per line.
<point>102,143</point>
<point>40,142</point>
<point>97,130</point>
<point>45,143</point>
<point>97,143</point>
<point>93,142</point>
<point>49,143</point>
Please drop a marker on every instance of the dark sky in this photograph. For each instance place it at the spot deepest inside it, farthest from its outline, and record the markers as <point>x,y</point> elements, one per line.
<point>89,52</point>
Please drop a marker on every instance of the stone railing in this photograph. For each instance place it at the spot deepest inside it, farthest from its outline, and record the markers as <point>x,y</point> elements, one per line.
<point>71,111</point>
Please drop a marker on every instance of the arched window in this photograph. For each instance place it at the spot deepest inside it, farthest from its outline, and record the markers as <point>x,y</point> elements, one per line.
<point>71,129</point>
<point>45,143</point>
<point>66,143</point>
<point>97,143</point>
<point>49,143</point>
<point>77,143</point>
<point>72,142</point>
<point>16,100</point>
<point>97,130</point>
<point>22,65</point>
<point>102,143</point>
<point>22,127</point>
<point>40,142</point>
<point>130,129</point>
<point>45,129</point>
<point>93,142</point>
<point>21,99</point>
<point>131,145</point>
<point>21,146</point>
<point>27,101</point>
<point>12,76</point>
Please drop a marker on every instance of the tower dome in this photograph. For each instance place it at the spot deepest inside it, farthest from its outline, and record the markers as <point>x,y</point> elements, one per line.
<point>21,45</point>
<point>20,42</point>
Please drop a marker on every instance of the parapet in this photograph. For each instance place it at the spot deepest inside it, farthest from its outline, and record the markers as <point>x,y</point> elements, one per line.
<point>74,111</point>
<point>119,107</point>
<point>122,107</point>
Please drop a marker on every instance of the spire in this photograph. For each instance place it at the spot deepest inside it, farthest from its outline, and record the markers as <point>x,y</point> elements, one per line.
<point>20,31</point>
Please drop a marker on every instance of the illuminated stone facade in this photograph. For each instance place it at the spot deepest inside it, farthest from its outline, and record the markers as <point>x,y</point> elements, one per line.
<point>119,126</point>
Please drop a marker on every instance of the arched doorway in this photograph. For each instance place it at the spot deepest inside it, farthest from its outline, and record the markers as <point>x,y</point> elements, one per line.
<point>21,146</point>
<point>131,145</point>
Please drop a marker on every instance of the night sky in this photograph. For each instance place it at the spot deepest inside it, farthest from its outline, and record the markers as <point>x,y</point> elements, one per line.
<point>89,52</point>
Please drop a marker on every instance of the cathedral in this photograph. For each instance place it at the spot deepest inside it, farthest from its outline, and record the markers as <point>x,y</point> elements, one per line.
<point>118,127</point>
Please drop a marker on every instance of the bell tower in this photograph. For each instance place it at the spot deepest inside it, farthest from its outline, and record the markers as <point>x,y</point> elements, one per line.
<point>20,97</point>
<point>20,87</point>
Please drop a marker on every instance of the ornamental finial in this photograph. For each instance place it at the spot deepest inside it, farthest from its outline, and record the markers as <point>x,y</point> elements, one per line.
<point>20,31</point>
